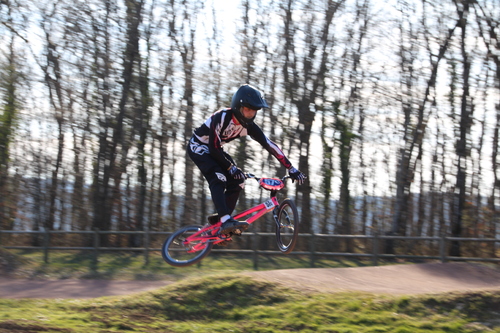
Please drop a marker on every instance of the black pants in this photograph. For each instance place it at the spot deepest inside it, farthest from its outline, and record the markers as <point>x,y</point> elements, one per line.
<point>224,188</point>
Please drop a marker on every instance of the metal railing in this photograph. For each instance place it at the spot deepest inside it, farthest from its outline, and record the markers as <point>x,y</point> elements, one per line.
<point>375,254</point>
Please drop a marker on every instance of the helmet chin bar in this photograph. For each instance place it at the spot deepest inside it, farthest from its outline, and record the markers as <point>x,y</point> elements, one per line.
<point>244,121</point>
<point>243,116</point>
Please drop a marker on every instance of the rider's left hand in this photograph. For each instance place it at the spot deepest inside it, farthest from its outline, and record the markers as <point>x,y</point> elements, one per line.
<point>236,172</point>
<point>297,175</point>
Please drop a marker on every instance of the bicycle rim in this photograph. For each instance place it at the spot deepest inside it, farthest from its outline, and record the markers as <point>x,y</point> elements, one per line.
<point>287,227</point>
<point>177,252</point>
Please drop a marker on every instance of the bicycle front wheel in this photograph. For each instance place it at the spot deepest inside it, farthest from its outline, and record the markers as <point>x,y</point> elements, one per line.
<point>287,226</point>
<point>179,253</point>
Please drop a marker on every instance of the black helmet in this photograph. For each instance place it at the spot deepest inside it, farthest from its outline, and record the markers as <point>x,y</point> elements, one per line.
<point>251,98</point>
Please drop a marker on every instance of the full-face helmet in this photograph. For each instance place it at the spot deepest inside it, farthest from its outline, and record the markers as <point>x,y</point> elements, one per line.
<point>248,96</point>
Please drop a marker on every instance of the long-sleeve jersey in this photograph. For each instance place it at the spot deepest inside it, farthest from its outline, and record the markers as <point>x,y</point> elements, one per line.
<point>221,128</point>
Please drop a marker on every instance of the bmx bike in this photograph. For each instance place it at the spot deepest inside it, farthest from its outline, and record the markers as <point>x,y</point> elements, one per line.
<point>190,244</point>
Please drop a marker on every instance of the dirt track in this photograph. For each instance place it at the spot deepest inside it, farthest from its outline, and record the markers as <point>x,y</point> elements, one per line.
<point>18,288</point>
<point>396,279</point>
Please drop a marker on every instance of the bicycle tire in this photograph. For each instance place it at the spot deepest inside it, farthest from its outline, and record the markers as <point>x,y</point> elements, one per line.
<point>287,226</point>
<point>176,254</point>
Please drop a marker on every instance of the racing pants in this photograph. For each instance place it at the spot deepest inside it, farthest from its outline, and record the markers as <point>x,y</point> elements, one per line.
<point>224,189</point>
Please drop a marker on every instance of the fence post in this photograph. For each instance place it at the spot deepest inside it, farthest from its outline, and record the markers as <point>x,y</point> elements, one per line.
<point>442,248</point>
<point>312,249</point>
<point>46,241</point>
<point>255,246</point>
<point>96,247</point>
<point>146,246</point>
<point>375,248</point>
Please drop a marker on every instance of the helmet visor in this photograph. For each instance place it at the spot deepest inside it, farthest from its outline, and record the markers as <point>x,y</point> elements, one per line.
<point>255,108</point>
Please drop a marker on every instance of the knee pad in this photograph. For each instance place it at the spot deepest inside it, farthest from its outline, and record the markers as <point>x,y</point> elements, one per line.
<point>217,180</point>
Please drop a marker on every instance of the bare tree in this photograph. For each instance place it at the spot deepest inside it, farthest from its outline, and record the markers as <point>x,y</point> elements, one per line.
<point>415,110</point>
<point>182,29</point>
<point>462,149</point>
<point>353,79</point>
<point>60,103</point>
<point>114,147</point>
<point>304,69</point>
<point>488,25</point>
<point>10,78</point>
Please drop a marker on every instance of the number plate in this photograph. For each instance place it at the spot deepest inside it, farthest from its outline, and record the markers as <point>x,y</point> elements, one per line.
<point>269,204</point>
<point>271,184</point>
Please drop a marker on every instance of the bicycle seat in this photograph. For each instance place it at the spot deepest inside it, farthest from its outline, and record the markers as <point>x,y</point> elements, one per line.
<point>271,184</point>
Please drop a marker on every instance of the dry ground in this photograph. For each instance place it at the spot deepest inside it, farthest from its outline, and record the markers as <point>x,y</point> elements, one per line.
<point>395,279</point>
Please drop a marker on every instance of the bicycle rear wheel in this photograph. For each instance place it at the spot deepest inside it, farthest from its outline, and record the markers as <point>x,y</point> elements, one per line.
<point>287,227</point>
<point>180,254</point>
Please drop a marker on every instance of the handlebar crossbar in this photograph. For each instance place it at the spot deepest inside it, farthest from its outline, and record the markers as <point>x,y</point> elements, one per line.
<point>251,175</point>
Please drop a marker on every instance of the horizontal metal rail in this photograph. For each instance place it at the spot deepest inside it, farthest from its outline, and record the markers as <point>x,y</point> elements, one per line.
<point>146,235</point>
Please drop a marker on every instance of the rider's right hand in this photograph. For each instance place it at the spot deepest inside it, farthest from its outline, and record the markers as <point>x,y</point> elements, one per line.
<point>297,175</point>
<point>236,172</point>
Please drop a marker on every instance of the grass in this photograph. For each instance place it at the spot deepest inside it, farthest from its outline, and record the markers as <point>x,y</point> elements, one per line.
<point>131,266</point>
<point>214,298</point>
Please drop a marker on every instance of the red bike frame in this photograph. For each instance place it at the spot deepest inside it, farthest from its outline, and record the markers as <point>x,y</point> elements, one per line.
<point>211,233</point>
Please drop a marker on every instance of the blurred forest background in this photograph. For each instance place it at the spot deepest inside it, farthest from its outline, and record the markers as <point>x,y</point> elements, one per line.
<point>391,107</point>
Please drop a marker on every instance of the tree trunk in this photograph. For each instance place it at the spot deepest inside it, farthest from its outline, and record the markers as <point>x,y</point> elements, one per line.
<point>462,149</point>
<point>8,82</point>
<point>107,194</point>
<point>52,71</point>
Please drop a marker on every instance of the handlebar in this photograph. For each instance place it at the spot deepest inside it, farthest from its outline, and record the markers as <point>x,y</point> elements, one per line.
<point>250,175</point>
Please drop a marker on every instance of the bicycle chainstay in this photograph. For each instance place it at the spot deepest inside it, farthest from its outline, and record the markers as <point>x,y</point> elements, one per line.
<point>212,235</point>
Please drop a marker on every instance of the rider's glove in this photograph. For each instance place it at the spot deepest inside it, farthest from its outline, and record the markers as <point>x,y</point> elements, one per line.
<point>236,172</point>
<point>296,175</point>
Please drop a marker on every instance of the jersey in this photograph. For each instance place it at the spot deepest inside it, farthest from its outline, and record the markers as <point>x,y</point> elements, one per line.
<point>221,128</point>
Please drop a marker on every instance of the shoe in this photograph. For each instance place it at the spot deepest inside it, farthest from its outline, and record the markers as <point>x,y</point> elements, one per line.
<point>231,225</point>
<point>213,219</point>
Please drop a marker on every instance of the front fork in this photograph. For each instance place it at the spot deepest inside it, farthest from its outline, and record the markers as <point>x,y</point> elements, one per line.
<point>275,215</point>
<point>276,209</point>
